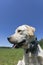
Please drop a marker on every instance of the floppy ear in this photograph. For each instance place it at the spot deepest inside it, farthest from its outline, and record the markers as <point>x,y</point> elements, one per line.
<point>33,29</point>
<point>30,30</point>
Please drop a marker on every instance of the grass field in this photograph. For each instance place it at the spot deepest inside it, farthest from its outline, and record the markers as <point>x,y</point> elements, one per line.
<point>10,56</point>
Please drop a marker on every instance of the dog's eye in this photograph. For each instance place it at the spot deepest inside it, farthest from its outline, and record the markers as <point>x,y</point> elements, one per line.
<point>19,30</point>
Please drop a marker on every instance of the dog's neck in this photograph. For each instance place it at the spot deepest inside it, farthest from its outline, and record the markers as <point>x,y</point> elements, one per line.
<point>33,46</point>
<point>28,54</point>
<point>28,57</point>
<point>30,51</point>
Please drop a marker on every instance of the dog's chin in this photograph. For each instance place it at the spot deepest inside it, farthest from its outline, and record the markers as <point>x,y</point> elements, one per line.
<point>19,44</point>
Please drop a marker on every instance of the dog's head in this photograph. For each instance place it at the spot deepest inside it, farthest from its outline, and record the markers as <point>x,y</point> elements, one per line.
<point>22,36</point>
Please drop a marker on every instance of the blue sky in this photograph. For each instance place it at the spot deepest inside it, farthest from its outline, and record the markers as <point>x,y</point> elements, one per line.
<point>17,12</point>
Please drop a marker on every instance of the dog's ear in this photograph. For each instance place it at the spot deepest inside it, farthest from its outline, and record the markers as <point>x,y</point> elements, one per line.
<point>33,29</point>
<point>30,30</point>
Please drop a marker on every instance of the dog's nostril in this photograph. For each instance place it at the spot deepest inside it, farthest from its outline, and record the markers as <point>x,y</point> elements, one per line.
<point>8,38</point>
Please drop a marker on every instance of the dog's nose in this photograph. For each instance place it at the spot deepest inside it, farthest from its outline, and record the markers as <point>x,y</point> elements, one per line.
<point>8,38</point>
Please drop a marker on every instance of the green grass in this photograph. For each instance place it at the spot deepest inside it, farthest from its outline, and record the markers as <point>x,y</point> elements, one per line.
<point>10,56</point>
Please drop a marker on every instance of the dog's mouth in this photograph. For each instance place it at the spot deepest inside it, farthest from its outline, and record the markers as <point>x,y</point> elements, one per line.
<point>19,45</point>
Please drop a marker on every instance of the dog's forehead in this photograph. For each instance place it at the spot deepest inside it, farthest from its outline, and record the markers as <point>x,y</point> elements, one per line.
<point>23,27</point>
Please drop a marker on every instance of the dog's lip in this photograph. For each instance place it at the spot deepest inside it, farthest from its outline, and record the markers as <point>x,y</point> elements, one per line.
<point>14,45</point>
<point>19,44</point>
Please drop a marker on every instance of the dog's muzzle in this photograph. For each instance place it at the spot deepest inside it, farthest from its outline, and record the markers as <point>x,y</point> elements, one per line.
<point>17,44</point>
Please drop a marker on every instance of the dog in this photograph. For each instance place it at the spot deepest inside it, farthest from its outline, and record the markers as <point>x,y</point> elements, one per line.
<point>25,38</point>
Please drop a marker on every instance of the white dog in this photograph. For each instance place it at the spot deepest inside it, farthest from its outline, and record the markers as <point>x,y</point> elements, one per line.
<point>24,37</point>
